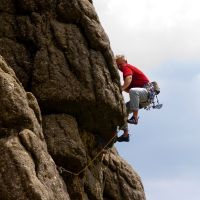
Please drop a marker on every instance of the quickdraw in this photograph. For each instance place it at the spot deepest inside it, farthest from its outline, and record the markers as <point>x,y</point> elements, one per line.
<point>151,100</point>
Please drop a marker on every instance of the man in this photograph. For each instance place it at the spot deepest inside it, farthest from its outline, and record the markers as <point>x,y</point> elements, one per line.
<point>134,83</point>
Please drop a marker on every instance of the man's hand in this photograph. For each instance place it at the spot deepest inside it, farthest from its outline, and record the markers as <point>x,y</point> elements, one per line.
<point>127,82</point>
<point>127,90</point>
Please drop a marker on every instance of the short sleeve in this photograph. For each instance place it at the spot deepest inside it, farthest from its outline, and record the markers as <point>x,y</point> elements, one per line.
<point>127,72</point>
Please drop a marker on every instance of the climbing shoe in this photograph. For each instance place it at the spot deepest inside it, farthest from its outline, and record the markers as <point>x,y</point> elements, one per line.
<point>133,120</point>
<point>123,138</point>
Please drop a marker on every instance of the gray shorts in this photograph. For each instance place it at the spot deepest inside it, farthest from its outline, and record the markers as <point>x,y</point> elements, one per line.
<point>138,97</point>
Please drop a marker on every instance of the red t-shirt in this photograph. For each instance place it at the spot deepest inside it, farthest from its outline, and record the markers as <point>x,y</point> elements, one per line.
<point>139,79</point>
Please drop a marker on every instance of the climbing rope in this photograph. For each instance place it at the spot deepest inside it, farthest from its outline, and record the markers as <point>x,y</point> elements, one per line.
<point>61,169</point>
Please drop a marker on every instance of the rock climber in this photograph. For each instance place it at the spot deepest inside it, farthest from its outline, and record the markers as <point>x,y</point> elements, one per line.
<point>134,83</point>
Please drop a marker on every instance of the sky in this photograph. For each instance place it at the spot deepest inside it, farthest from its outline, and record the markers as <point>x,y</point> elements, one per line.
<point>162,38</point>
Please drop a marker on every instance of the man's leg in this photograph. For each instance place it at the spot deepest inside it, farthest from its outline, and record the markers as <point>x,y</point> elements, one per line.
<point>125,136</point>
<point>137,95</point>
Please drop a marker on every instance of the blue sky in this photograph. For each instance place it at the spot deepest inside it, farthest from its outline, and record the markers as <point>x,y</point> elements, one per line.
<point>162,38</point>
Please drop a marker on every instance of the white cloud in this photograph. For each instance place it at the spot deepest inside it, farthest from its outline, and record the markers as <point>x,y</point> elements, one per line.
<point>151,32</point>
<point>132,13</point>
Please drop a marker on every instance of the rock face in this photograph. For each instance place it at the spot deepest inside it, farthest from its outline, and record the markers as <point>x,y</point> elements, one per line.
<point>61,107</point>
<point>60,52</point>
<point>27,171</point>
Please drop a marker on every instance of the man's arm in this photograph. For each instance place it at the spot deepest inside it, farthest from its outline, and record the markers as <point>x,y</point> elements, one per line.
<point>127,82</point>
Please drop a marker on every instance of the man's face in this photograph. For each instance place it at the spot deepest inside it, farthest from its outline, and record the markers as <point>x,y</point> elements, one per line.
<point>120,62</point>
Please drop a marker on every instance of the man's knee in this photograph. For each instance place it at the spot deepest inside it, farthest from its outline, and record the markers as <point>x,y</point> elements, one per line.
<point>134,93</point>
